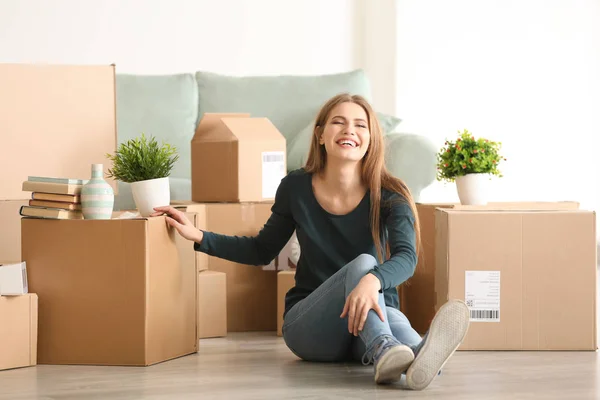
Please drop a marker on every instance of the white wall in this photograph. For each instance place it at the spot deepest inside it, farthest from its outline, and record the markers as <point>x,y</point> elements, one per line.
<point>159,36</point>
<point>379,51</point>
<point>526,73</point>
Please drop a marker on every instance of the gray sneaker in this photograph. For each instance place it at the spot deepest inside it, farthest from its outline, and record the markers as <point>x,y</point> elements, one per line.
<point>447,331</point>
<point>391,359</point>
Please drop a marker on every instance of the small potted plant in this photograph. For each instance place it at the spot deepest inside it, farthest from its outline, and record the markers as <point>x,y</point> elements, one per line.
<point>471,162</point>
<point>146,165</point>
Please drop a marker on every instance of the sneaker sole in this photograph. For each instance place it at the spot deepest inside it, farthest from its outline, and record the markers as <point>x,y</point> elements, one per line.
<point>448,330</point>
<point>393,364</point>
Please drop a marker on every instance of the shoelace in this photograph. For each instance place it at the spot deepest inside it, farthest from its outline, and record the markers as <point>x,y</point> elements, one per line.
<point>376,349</point>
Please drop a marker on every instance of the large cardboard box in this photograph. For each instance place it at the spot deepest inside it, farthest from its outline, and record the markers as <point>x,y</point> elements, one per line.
<point>18,331</point>
<point>112,292</point>
<point>285,281</point>
<point>528,277</point>
<point>56,120</point>
<point>212,304</point>
<point>251,290</point>
<point>236,158</point>
<point>417,295</point>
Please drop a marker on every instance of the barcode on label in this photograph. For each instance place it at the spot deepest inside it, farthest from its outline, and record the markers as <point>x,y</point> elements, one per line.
<point>271,157</point>
<point>487,315</point>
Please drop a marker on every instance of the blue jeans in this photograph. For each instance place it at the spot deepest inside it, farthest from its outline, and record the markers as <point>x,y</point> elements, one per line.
<point>314,331</point>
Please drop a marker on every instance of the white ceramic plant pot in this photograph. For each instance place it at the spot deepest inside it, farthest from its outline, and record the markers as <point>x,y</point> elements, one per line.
<point>151,193</point>
<point>473,189</point>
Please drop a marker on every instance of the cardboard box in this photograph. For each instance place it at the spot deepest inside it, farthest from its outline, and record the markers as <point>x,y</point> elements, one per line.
<point>10,229</point>
<point>18,331</point>
<point>285,281</point>
<point>212,304</point>
<point>251,290</point>
<point>112,292</point>
<point>57,120</point>
<point>236,158</point>
<point>13,279</point>
<point>417,295</point>
<point>528,277</point>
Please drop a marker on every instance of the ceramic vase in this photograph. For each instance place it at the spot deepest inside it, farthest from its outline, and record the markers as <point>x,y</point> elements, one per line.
<point>473,189</point>
<point>151,193</point>
<point>97,196</point>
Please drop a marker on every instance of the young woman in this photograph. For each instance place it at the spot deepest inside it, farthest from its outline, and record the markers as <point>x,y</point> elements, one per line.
<point>359,234</point>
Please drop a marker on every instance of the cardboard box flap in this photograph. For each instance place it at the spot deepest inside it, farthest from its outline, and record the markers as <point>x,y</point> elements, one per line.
<point>210,127</point>
<point>510,211</point>
<point>514,206</point>
<point>57,119</point>
<point>253,129</point>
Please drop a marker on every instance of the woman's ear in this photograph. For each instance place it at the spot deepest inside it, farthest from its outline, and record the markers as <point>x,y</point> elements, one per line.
<point>320,136</point>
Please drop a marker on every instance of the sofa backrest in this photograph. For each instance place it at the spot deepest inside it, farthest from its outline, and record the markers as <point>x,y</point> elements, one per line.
<point>290,102</point>
<point>169,107</point>
<point>165,107</point>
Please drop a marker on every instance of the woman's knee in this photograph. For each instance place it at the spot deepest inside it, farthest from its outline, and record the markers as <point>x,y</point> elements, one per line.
<point>359,267</point>
<point>364,262</point>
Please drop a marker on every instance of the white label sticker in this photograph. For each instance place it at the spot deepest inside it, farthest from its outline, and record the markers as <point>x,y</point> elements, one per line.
<point>273,171</point>
<point>482,295</point>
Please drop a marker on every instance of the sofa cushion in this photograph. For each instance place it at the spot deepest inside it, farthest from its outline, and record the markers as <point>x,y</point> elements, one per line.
<point>299,145</point>
<point>411,158</point>
<point>290,102</point>
<point>165,107</point>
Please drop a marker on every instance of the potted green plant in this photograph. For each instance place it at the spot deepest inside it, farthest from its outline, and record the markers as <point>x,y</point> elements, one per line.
<point>146,165</point>
<point>471,162</point>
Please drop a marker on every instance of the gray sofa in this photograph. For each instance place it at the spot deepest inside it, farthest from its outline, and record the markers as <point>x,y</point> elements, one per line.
<point>169,108</point>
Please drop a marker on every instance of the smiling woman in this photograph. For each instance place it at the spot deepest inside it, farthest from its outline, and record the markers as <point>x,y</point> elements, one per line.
<point>359,234</point>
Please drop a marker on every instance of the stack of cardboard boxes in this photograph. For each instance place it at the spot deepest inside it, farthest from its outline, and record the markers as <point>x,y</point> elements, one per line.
<point>237,164</point>
<point>111,292</point>
<point>56,121</point>
<point>127,291</point>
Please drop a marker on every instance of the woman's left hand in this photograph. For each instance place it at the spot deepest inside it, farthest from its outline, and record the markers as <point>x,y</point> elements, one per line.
<point>360,301</point>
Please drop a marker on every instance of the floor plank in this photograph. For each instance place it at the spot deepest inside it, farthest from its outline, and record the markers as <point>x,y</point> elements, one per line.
<point>259,366</point>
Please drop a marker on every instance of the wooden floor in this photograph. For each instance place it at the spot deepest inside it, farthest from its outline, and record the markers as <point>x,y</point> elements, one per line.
<point>259,366</point>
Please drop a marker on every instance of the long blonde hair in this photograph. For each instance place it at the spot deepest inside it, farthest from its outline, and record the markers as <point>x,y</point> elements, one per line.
<point>374,172</point>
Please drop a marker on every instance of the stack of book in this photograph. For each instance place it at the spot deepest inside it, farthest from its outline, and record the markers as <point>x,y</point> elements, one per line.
<point>55,198</point>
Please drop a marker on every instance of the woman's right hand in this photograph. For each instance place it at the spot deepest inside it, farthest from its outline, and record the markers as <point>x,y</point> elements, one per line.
<point>179,221</point>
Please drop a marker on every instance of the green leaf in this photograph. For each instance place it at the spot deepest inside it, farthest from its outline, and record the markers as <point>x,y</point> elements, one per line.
<point>141,159</point>
<point>477,155</point>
